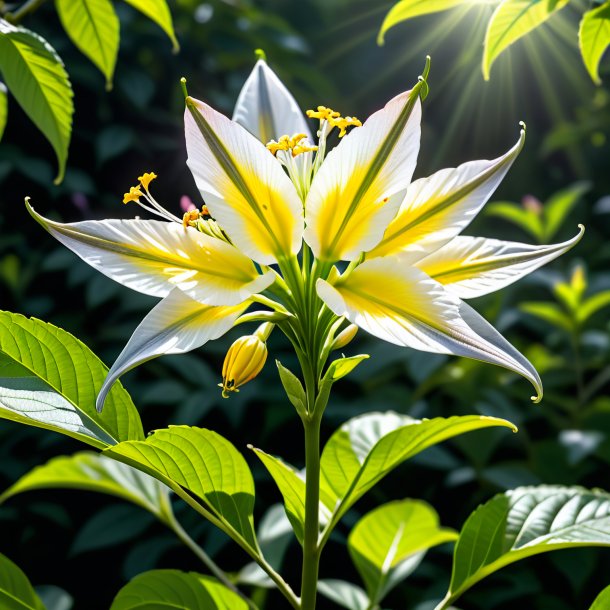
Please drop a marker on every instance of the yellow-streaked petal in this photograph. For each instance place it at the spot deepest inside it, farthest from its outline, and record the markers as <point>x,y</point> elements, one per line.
<point>243,185</point>
<point>153,257</point>
<point>473,266</point>
<point>359,187</point>
<point>266,108</point>
<point>437,208</point>
<point>175,326</point>
<point>402,305</point>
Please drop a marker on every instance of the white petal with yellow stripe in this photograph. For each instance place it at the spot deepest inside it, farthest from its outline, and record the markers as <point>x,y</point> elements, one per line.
<point>153,257</point>
<point>437,208</point>
<point>359,187</point>
<point>402,305</point>
<point>266,108</point>
<point>243,185</point>
<point>175,326</point>
<point>474,266</point>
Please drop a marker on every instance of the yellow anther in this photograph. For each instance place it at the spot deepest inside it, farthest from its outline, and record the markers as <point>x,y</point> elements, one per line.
<point>323,113</point>
<point>134,194</point>
<point>297,150</point>
<point>291,143</point>
<point>146,178</point>
<point>189,217</point>
<point>205,211</point>
<point>342,123</point>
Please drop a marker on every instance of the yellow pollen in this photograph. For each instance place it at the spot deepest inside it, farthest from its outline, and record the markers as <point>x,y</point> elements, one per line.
<point>134,194</point>
<point>344,122</point>
<point>323,113</point>
<point>146,178</point>
<point>189,217</point>
<point>290,143</point>
<point>205,211</point>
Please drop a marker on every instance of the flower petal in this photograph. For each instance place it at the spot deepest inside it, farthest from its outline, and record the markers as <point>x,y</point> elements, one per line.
<point>153,257</point>
<point>402,305</point>
<point>175,326</point>
<point>473,266</point>
<point>359,187</point>
<point>243,185</point>
<point>266,108</point>
<point>437,208</point>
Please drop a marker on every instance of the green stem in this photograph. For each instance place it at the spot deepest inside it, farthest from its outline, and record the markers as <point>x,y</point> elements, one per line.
<point>209,563</point>
<point>311,551</point>
<point>29,7</point>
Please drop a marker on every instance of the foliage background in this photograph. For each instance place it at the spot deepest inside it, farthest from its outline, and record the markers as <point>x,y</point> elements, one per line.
<point>326,53</point>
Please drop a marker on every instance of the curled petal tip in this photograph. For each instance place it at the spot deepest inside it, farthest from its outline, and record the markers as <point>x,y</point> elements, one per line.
<point>523,126</point>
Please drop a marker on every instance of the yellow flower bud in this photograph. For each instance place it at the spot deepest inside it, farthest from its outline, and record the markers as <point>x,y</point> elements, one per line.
<point>243,362</point>
<point>344,337</point>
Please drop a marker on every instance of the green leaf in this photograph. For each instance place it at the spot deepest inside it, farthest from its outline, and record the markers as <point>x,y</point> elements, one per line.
<point>602,601</point>
<point>524,522</point>
<point>205,464</point>
<point>35,75</point>
<point>557,208</point>
<point>525,219</point>
<point>512,20</point>
<point>594,38</point>
<point>344,594</point>
<point>293,388</point>
<point>592,305</point>
<point>292,488</point>
<point>3,108</point>
<point>337,369</point>
<point>159,589</point>
<point>94,472</point>
<point>16,592</point>
<point>158,11</point>
<point>549,312</point>
<point>368,447</point>
<point>408,9</point>
<point>49,379</point>
<point>389,541</point>
<point>93,27</point>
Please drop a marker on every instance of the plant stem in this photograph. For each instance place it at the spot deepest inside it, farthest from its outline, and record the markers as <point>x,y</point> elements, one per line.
<point>29,7</point>
<point>311,551</point>
<point>209,563</point>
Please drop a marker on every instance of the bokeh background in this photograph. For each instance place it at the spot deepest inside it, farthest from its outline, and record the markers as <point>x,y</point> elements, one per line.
<point>325,51</point>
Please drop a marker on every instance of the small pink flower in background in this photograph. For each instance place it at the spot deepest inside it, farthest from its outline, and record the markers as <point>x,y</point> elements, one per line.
<point>186,204</point>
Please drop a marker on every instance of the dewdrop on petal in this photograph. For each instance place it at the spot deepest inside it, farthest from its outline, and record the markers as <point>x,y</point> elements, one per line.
<point>245,359</point>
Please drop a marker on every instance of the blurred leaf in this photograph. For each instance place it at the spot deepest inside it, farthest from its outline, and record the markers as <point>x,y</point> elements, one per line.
<point>592,305</point>
<point>93,472</point>
<point>208,466</point>
<point>525,522</point>
<point>602,601</point>
<point>157,11</point>
<point>174,589</point>
<point>109,526</point>
<point>388,537</point>
<point>579,444</point>
<point>35,75</point>
<point>557,208</point>
<point>55,598</point>
<point>344,594</point>
<point>3,108</point>
<point>93,27</point>
<point>512,20</point>
<point>407,9</point>
<point>113,141</point>
<point>16,592</point>
<point>526,219</point>
<point>549,312</point>
<point>49,379</point>
<point>367,448</point>
<point>594,38</point>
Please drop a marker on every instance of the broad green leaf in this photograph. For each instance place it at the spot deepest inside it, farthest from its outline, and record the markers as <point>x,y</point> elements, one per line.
<point>592,305</point>
<point>160,589</point>
<point>602,601</point>
<point>408,9</point>
<point>557,208</point>
<point>35,75</point>
<point>16,592</point>
<point>93,27</point>
<point>368,447</point>
<point>389,541</point>
<point>292,488</point>
<point>594,38</point>
<point>157,11</point>
<point>549,312</point>
<point>512,20</point>
<point>3,108</point>
<point>523,522</point>
<point>94,472</point>
<point>202,462</point>
<point>344,594</point>
<point>525,219</point>
<point>49,379</point>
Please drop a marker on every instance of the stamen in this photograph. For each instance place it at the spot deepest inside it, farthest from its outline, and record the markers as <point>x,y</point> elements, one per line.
<point>344,122</point>
<point>296,145</point>
<point>134,194</point>
<point>189,217</point>
<point>146,178</point>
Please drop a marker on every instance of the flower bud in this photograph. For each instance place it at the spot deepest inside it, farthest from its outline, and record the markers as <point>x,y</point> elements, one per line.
<point>344,337</point>
<point>245,360</point>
